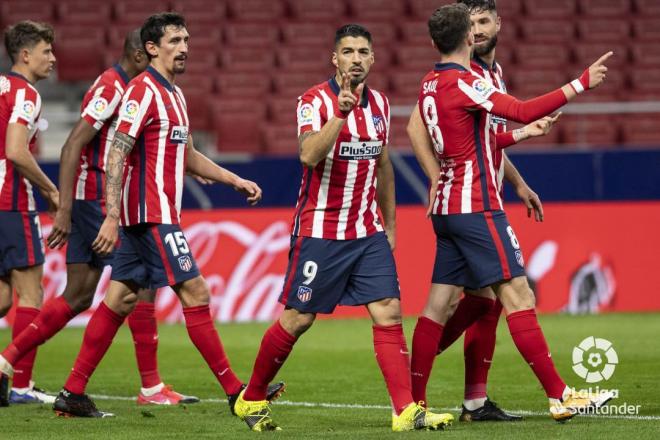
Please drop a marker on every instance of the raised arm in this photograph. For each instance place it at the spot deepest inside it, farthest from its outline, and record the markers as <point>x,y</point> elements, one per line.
<point>16,142</point>
<point>422,146</point>
<point>81,135</point>
<point>315,145</point>
<point>122,144</point>
<point>201,166</point>
<point>540,127</point>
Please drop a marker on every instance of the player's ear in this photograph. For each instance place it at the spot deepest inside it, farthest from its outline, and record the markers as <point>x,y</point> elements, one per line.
<point>334,59</point>
<point>151,48</point>
<point>498,23</point>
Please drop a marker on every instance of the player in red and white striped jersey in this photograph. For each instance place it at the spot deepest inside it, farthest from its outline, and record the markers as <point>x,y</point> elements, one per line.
<point>29,45</point>
<point>479,311</point>
<point>476,247</point>
<point>340,252</point>
<point>153,251</point>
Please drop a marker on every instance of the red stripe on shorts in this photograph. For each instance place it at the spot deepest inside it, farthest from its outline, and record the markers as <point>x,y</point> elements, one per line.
<point>163,255</point>
<point>29,243</point>
<point>504,262</point>
<point>291,273</point>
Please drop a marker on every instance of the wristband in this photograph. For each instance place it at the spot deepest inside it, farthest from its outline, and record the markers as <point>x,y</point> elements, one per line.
<point>582,83</point>
<point>341,114</point>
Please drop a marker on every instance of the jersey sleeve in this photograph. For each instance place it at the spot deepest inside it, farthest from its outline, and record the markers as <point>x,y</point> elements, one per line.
<point>26,107</point>
<point>504,140</point>
<point>478,94</point>
<point>102,105</point>
<point>309,113</point>
<point>135,110</point>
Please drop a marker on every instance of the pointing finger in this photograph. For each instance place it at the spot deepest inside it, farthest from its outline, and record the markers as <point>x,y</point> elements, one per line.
<point>604,58</point>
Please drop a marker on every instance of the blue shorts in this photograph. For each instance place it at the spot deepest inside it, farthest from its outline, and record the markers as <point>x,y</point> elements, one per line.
<point>475,250</point>
<point>324,273</point>
<point>153,255</point>
<point>86,219</point>
<point>21,243</point>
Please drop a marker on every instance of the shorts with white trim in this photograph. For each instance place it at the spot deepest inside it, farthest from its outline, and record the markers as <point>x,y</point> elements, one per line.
<point>21,242</point>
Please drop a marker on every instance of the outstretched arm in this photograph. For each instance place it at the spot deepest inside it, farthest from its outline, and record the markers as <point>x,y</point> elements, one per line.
<point>537,128</point>
<point>122,144</point>
<point>201,166</point>
<point>80,136</point>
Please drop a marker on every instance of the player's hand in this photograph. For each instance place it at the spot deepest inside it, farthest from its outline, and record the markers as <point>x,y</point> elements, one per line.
<point>531,201</point>
<point>250,189</point>
<point>595,74</point>
<point>390,232</point>
<point>541,127</point>
<point>433,193</point>
<point>53,199</point>
<point>107,237</point>
<point>347,100</point>
<point>61,229</point>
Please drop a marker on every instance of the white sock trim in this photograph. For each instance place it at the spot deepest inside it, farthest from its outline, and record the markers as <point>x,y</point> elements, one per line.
<point>152,390</point>
<point>472,404</point>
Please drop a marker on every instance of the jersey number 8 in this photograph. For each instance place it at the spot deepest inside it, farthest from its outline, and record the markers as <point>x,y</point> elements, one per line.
<point>430,112</point>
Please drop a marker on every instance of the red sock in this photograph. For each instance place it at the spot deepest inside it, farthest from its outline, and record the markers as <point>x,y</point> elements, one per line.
<point>469,310</point>
<point>142,322</point>
<point>275,347</point>
<point>205,337</point>
<point>23,368</point>
<point>394,362</point>
<point>426,339</point>
<point>53,316</point>
<point>100,332</point>
<point>479,347</point>
<point>529,340</point>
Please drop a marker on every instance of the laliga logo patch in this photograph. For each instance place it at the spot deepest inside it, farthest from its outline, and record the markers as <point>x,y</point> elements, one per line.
<point>130,110</point>
<point>185,263</point>
<point>483,88</point>
<point>5,85</point>
<point>179,134</point>
<point>304,293</point>
<point>28,109</point>
<point>306,114</point>
<point>99,106</point>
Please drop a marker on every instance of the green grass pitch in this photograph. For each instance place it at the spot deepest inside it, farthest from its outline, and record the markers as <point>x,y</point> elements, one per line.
<point>333,368</point>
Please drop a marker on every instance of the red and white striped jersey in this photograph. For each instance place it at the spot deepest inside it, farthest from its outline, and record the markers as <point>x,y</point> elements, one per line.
<point>154,113</point>
<point>20,103</point>
<point>337,198</point>
<point>99,108</point>
<point>493,74</point>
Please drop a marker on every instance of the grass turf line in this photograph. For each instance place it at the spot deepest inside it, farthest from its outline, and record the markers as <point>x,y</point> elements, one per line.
<point>334,363</point>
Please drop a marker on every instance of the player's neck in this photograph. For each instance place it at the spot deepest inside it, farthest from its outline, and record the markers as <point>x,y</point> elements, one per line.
<point>128,67</point>
<point>489,58</point>
<point>459,57</point>
<point>23,70</point>
<point>169,76</point>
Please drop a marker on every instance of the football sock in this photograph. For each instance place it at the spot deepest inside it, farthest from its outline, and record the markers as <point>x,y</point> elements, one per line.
<point>472,404</point>
<point>203,334</point>
<point>478,347</point>
<point>23,368</point>
<point>152,390</point>
<point>100,332</point>
<point>426,339</point>
<point>531,344</point>
<point>275,347</point>
<point>142,322</point>
<point>470,309</point>
<point>394,362</point>
<point>53,316</point>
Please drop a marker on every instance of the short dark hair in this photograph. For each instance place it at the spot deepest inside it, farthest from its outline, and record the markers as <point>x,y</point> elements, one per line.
<point>479,5</point>
<point>153,28</point>
<point>26,34</point>
<point>448,26</point>
<point>352,30</point>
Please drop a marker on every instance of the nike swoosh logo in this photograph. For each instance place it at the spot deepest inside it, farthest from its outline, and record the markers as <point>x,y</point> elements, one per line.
<point>277,361</point>
<point>223,372</point>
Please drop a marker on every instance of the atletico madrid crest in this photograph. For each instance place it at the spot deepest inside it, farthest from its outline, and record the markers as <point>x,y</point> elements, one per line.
<point>379,123</point>
<point>304,293</point>
<point>185,263</point>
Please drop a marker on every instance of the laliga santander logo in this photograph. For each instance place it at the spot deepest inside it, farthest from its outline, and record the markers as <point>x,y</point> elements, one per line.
<point>594,359</point>
<point>244,269</point>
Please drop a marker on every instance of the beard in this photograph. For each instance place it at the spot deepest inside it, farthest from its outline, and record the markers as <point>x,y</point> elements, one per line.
<point>356,81</point>
<point>486,48</point>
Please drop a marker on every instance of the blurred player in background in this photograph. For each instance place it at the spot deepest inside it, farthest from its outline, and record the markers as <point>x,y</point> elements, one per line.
<point>341,253</point>
<point>29,46</point>
<point>153,252</point>
<point>476,247</point>
<point>78,219</point>
<point>483,308</point>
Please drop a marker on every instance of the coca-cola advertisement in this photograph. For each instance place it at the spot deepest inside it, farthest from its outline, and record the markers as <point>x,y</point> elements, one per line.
<point>584,258</point>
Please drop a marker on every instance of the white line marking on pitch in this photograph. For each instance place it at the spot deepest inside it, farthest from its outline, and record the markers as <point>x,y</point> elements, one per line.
<point>383,407</point>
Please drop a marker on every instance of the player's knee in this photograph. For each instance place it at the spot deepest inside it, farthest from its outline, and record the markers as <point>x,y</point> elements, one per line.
<point>195,293</point>
<point>5,306</point>
<point>386,311</point>
<point>79,302</point>
<point>127,304</point>
<point>296,323</point>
